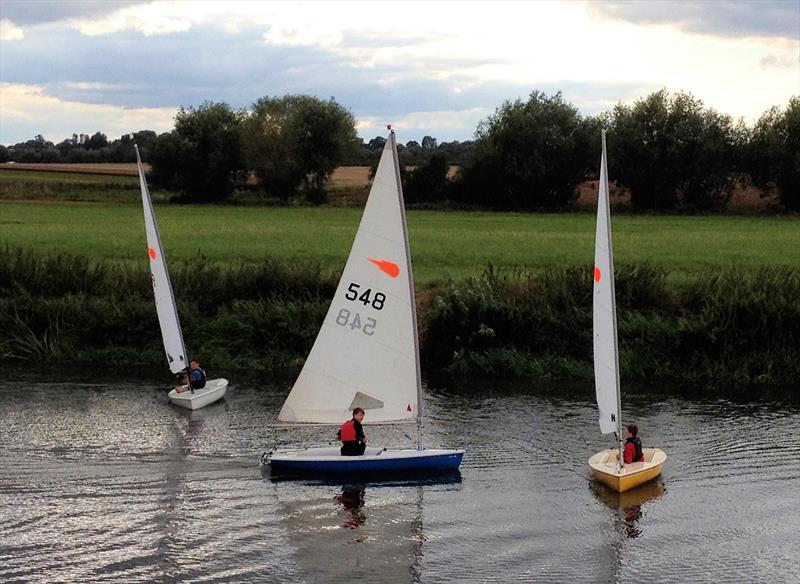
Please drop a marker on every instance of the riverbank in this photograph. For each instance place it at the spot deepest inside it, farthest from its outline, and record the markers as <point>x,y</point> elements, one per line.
<point>726,329</point>
<point>451,245</point>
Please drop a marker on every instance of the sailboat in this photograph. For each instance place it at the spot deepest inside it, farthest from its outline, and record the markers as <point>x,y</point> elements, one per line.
<point>168,311</point>
<point>366,353</point>
<point>608,466</point>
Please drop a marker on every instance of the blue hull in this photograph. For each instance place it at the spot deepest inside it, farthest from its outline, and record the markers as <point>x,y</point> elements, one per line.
<point>348,464</point>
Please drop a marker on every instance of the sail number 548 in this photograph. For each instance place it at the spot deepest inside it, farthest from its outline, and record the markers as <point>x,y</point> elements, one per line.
<point>353,320</point>
<point>367,298</point>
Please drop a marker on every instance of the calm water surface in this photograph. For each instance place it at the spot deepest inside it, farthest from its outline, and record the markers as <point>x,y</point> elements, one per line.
<point>103,482</point>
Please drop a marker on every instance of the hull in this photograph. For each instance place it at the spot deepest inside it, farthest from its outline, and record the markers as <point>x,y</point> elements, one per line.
<point>213,391</point>
<point>605,469</point>
<point>374,460</point>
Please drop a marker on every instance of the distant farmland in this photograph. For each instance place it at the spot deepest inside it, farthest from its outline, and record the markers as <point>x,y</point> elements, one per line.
<point>123,169</point>
<point>348,186</point>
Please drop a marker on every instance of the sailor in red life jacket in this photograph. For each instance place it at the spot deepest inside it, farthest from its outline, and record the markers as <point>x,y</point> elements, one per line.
<point>352,435</point>
<point>633,446</point>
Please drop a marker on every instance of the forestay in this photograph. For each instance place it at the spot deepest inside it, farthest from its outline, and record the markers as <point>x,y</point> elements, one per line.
<point>162,287</point>
<point>366,351</point>
<point>606,359</point>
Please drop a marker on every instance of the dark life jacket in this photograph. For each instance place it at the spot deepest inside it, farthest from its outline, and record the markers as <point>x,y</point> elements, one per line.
<point>347,433</point>
<point>197,378</point>
<point>637,444</point>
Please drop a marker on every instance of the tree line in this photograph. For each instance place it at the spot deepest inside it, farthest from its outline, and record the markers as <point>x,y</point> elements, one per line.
<point>668,150</point>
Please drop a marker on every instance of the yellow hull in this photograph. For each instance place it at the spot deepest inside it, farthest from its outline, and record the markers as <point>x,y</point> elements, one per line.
<point>605,469</point>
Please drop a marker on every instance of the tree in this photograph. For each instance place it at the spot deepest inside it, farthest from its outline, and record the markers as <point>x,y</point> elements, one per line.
<point>297,141</point>
<point>3,154</point>
<point>202,155</point>
<point>428,143</point>
<point>773,153</point>
<point>377,143</point>
<point>671,151</point>
<point>36,150</point>
<point>427,183</point>
<point>122,150</point>
<point>528,155</point>
<point>97,141</point>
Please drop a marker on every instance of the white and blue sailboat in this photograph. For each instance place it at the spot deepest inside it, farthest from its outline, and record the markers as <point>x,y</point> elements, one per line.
<point>367,351</point>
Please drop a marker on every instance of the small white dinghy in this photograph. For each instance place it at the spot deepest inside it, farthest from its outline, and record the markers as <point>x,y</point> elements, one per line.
<point>605,465</point>
<point>168,311</point>
<point>194,400</point>
<point>367,352</point>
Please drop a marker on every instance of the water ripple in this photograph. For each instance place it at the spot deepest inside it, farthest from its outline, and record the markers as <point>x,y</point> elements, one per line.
<point>111,484</point>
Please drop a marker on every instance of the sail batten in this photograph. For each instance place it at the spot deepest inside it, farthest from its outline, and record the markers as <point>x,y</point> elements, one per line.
<point>606,354</point>
<point>365,352</point>
<point>162,287</point>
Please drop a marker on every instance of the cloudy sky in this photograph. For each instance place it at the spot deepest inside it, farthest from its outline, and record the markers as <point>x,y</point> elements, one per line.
<point>434,68</point>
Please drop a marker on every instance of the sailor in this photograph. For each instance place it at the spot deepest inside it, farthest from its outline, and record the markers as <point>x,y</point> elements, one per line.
<point>197,376</point>
<point>352,435</point>
<point>633,446</point>
<point>194,378</point>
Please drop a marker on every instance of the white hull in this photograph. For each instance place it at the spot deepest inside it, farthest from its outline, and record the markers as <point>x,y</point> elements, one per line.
<point>213,391</point>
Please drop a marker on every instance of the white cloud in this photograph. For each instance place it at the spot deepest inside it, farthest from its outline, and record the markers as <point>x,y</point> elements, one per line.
<point>25,106</point>
<point>89,86</point>
<point>9,31</point>
<point>148,19</point>
<point>531,43</point>
<point>472,47</point>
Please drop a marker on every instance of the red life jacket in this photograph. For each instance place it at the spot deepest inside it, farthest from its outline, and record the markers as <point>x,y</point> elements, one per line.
<point>347,433</point>
<point>634,453</point>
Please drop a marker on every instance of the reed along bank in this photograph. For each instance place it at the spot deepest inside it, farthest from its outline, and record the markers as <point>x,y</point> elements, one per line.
<point>720,330</point>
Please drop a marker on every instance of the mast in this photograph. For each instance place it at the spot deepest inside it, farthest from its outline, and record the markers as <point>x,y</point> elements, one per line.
<point>607,211</point>
<point>396,160</point>
<point>170,313</point>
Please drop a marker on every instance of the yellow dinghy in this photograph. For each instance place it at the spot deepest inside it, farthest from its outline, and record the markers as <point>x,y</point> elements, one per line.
<point>606,469</point>
<point>606,465</point>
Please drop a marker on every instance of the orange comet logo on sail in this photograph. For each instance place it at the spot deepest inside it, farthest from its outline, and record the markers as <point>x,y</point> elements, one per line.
<point>152,253</point>
<point>391,269</point>
<point>597,275</point>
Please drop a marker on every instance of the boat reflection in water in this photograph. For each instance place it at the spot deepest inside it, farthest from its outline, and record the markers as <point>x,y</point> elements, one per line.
<point>628,504</point>
<point>356,530</point>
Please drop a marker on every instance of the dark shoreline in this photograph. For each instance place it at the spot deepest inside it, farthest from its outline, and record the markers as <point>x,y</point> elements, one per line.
<point>726,332</point>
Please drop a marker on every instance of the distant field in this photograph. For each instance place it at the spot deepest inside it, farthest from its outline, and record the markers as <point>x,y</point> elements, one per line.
<point>348,185</point>
<point>444,244</point>
<point>124,169</point>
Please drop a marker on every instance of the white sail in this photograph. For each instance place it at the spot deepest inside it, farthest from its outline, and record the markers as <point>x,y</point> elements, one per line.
<point>162,287</point>
<point>366,351</point>
<point>606,358</point>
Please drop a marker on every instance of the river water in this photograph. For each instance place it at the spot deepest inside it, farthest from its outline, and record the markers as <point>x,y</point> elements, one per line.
<point>111,483</point>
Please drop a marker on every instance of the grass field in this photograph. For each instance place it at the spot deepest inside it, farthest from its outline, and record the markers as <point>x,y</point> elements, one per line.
<point>445,245</point>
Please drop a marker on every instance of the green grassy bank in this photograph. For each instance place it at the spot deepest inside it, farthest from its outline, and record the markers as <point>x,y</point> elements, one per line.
<point>720,330</point>
<point>445,245</point>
